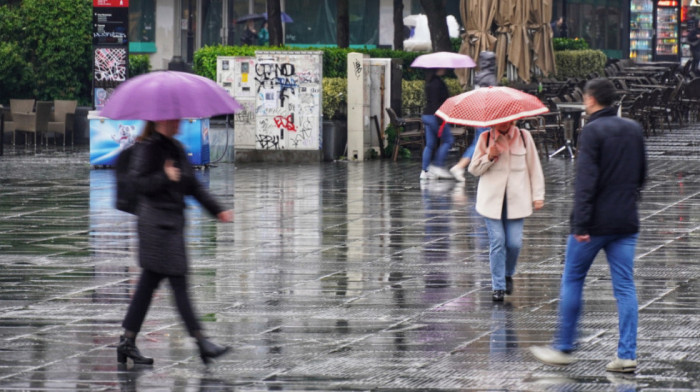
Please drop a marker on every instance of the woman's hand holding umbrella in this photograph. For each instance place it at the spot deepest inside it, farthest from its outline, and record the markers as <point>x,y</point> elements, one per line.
<point>225,216</point>
<point>171,171</point>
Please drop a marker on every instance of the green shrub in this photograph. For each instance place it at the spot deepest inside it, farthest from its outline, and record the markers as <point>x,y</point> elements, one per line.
<point>569,44</point>
<point>139,64</point>
<point>335,99</point>
<point>579,63</point>
<point>334,59</point>
<point>15,73</point>
<point>57,42</point>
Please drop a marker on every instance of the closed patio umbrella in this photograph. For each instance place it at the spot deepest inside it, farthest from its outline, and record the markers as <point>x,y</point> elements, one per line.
<point>504,16</point>
<point>477,16</point>
<point>540,15</point>
<point>519,50</point>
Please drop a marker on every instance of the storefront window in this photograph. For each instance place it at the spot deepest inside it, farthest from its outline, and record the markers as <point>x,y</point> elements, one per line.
<point>142,26</point>
<point>316,24</point>
<point>600,23</point>
<point>211,22</point>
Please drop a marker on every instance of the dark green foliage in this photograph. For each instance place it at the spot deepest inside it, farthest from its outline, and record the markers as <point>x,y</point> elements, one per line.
<point>16,81</point>
<point>569,44</point>
<point>54,42</point>
<point>579,63</point>
<point>138,64</point>
<point>334,59</point>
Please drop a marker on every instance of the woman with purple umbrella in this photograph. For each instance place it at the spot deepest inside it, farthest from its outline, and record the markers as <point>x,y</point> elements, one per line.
<point>163,176</point>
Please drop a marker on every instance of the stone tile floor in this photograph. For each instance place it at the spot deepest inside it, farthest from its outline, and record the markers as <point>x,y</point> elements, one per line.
<point>335,276</point>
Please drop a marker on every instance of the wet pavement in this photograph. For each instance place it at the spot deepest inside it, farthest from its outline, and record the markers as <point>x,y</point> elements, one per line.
<point>335,276</point>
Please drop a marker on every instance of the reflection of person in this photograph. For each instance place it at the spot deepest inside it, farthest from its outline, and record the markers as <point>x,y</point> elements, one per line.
<point>694,41</point>
<point>163,175</point>
<point>484,78</point>
<point>610,171</point>
<point>511,184</point>
<point>250,36</point>
<point>435,129</point>
<point>263,35</point>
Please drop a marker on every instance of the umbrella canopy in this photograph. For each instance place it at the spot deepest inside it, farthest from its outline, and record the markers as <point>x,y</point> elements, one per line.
<point>443,60</point>
<point>168,95</point>
<point>489,106</point>
<point>248,17</point>
<point>285,18</point>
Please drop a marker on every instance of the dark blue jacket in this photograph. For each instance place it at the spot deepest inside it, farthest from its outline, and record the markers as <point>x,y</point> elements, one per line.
<point>610,172</point>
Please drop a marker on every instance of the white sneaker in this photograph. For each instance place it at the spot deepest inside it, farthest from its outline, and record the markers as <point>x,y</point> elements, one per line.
<point>458,173</point>
<point>551,356</point>
<point>622,365</point>
<point>426,175</point>
<point>440,172</point>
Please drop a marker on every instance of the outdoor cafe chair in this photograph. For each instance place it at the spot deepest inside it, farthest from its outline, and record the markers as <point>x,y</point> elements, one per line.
<point>408,132</point>
<point>62,118</point>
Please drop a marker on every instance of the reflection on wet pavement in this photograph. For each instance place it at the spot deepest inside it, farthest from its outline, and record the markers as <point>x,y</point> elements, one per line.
<point>335,276</point>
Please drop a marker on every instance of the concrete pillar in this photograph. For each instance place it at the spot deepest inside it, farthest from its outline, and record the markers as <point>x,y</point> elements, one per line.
<point>358,105</point>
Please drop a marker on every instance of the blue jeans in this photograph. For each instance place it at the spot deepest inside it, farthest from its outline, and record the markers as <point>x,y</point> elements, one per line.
<point>469,152</point>
<point>505,241</point>
<point>619,250</point>
<point>432,126</point>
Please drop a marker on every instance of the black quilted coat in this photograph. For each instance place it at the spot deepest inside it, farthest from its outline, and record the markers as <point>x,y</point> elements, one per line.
<point>160,210</point>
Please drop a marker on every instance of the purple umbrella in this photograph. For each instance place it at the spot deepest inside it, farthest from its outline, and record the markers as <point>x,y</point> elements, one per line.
<point>443,60</point>
<point>285,18</point>
<point>168,95</point>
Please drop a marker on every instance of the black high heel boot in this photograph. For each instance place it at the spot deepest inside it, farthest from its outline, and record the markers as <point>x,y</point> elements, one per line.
<point>209,350</point>
<point>127,349</point>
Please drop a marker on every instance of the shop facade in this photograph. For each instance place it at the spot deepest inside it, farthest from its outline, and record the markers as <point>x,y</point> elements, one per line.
<point>165,29</point>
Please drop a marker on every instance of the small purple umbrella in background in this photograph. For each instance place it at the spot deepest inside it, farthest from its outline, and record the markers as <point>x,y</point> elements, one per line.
<point>285,18</point>
<point>443,60</point>
<point>168,95</point>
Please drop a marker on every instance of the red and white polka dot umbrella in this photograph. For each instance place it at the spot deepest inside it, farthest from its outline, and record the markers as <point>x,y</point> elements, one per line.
<point>489,106</point>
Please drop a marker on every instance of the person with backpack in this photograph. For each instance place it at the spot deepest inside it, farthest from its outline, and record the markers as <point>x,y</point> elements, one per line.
<point>511,185</point>
<point>161,176</point>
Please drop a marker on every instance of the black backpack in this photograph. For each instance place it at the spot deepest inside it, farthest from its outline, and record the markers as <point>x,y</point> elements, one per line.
<point>127,197</point>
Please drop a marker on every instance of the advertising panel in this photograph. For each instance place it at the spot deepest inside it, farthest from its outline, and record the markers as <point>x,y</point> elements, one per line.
<point>109,137</point>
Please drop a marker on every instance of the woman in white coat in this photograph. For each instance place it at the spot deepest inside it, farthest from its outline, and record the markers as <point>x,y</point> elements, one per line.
<point>511,185</point>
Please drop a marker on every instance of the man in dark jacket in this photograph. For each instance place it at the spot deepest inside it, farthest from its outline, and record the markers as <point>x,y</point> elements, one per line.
<point>610,172</point>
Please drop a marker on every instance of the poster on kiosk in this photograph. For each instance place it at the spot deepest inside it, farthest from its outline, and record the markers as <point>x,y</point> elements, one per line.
<point>110,137</point>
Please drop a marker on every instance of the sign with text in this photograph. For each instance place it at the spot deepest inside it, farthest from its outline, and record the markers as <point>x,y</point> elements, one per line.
<point>110,26</point>
<point>110,3</point>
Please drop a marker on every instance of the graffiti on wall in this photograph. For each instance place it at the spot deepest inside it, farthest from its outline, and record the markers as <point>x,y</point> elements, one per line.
<point>281,95</point>
<point>288,100</point>
<point>110,64</point>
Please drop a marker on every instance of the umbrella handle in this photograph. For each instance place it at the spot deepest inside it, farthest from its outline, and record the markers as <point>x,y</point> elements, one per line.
<point>441,128</point>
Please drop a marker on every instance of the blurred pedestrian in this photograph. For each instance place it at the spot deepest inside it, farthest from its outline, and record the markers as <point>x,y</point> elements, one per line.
<point>436,130</point>
<point>610,172</point>
<point>557,28</point>
<point>694,41</point>
<point>263,35</point>
<point>163,175</point>
<point>485,77</point>
<point>250,36</point>
<point>511,184</point>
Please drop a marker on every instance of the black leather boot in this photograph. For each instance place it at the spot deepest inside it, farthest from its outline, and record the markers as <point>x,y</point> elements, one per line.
<point>497,295</point>
<point>127,349</point>
<point>509,285</point>
<point>209,350</point>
